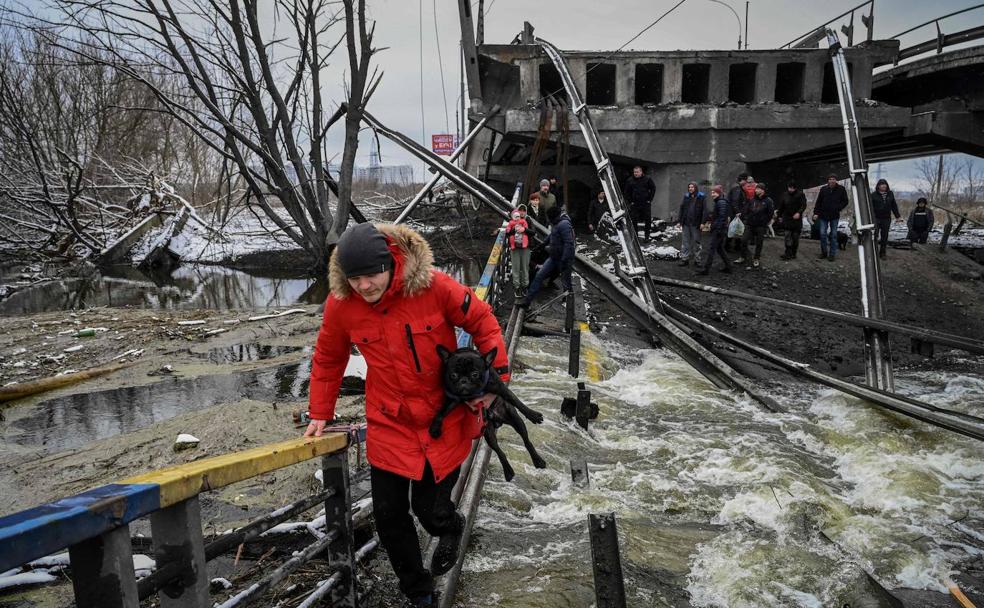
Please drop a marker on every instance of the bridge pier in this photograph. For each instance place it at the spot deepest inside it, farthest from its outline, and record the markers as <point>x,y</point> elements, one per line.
<point>177,535</point>
<point>102,571</point>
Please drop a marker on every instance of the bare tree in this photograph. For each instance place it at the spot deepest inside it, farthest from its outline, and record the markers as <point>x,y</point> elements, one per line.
<point>252,93</point>
<point>972,181</point>
<point>938,176</point>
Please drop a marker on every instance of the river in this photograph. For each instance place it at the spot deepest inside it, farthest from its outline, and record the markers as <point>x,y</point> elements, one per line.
<point>720,503</point>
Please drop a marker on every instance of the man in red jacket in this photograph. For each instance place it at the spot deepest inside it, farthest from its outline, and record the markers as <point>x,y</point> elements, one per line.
<point>388,300</point>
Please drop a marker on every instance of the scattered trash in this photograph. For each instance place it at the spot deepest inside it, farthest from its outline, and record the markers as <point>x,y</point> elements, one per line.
<point>197,322</point>
<point>213,332</point>
<point>185,442</point>
<point>19,351</point>
<point>219,584</point>
<point>66,372</point>
<point>230,321</point>
<point>73,349</point>
<point>134,352</point>
<point>292,311</point>
<point>88,332</point>
<point>164,371</point>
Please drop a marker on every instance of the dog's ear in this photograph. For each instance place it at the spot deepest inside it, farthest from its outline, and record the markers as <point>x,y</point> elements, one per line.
<point>490,356</point>
<point>443,353</point>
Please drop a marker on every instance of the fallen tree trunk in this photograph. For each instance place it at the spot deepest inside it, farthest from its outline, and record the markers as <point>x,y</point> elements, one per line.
<point>19,391</point>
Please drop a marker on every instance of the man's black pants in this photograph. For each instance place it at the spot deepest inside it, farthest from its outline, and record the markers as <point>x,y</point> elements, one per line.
<point>754,235</point>
<point>792,241</point>
<point>392,498</point>
<point>882,226</point>
<point>718,237</point>
<point>642,214</point>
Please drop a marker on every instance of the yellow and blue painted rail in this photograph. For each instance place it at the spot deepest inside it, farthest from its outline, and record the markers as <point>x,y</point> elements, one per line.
<point>46,529</point>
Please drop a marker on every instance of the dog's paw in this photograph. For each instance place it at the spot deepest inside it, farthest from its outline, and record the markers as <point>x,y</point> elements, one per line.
<point>539,462</point>
<point>435,430</point>
<point>536,417</point>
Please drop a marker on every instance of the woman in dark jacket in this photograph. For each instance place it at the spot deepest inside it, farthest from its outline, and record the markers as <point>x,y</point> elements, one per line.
<point>884,206</point>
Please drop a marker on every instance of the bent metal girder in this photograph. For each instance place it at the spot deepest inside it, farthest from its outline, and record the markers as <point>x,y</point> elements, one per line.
<point>635,266</point>
<point>678,340</point>
<point>877,350</point>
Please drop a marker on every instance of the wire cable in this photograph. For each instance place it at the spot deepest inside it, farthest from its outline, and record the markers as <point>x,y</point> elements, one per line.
<point>440,63</point>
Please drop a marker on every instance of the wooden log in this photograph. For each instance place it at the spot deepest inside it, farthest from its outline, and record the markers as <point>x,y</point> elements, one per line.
<point>19,391</point>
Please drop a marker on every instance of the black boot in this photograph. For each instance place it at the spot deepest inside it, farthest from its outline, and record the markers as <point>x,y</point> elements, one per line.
<point>446,554</point>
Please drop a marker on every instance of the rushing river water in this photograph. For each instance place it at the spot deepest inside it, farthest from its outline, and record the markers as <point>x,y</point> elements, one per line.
<point>718,502</point>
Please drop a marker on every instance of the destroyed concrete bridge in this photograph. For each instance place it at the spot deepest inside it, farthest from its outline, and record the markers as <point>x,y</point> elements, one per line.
<point>708,115</point>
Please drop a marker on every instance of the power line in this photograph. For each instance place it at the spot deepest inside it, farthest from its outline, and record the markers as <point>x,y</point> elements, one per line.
<point>440,63</point>
<point>420,31</point>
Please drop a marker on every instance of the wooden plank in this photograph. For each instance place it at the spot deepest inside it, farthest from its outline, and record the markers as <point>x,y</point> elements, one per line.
<point>183,481</point>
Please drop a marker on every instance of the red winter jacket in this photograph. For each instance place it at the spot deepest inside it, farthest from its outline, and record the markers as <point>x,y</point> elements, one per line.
<point>518,240</point>
<point>398,336</point>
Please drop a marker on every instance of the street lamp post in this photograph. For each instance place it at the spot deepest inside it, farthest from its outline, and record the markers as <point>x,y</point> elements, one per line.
<point>736,17</point>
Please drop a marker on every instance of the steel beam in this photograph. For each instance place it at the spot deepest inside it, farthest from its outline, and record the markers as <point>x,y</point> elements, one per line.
<point>606,561</point>
<point>177,535</point>
<point>470,51</point>
<point>462,146</point>
<point>877,350</point>
<point>102,571</point>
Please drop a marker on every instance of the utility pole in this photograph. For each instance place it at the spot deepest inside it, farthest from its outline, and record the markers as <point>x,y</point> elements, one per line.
<point>746,25</point>
<point>470,54</point>
<point>877,350</point>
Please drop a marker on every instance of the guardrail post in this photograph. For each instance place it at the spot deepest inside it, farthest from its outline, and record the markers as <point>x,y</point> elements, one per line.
<point>606,561</point>
<point>579,472</point>
<point>574,356</point>
<point>583,412</point>
<point>177,536</point>
<point>102,571</point>
<point>338,509</point>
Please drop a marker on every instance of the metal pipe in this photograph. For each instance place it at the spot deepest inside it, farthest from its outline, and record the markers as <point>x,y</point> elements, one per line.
<point>257,589</point>
<point>462,146</point>
<point>877,350</point>
<point>929,335</point>
<point>627,235</point>
<point>822,26</point>
<point>325,587</point>
<point>735,14</point>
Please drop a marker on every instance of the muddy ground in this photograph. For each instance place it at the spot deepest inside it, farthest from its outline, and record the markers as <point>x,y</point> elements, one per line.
<point>923,287</point>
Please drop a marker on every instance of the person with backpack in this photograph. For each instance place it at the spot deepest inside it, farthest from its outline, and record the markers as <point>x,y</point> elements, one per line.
<point>831,200</point>
<point>560,248</point>
<point>519,252</point>
<point>756,216</point>
<point>920,222</point>
<point>884,207</point>
<point>718,218</point>
<point>792,204</point>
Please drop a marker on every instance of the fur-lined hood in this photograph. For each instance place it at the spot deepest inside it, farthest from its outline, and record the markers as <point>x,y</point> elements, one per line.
<point>412,258</point>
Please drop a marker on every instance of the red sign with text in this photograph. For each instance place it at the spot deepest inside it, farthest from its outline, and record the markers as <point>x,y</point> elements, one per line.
<point>443,144</point>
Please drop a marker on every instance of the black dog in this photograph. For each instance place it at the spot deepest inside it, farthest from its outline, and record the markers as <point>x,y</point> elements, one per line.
<point>469,375</point>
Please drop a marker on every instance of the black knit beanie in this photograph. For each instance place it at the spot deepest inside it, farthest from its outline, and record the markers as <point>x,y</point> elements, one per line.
<point>363,250</point>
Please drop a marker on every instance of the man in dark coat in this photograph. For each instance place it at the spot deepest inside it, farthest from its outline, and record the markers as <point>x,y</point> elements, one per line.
<point>756,216</point>
<point>690,217</point>
<point>831,200</point>
<point>596,209</point>
<point>719,218</point>
<point>737,199</point>
<point>639,191</point>
<point>560,247</point>
<point>920,222</point>
<point>884,205</point>
<point>792,204</point>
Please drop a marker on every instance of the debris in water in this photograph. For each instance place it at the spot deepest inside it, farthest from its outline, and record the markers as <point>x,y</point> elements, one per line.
<point>185,442</point>
<point>292,311</point>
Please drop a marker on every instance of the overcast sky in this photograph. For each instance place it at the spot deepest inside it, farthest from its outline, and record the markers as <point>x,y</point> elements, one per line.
<point>582,24</point>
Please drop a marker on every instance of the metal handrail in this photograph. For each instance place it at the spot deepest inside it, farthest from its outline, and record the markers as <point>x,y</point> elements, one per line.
<point>819,32</point>
<point>937,20</point>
